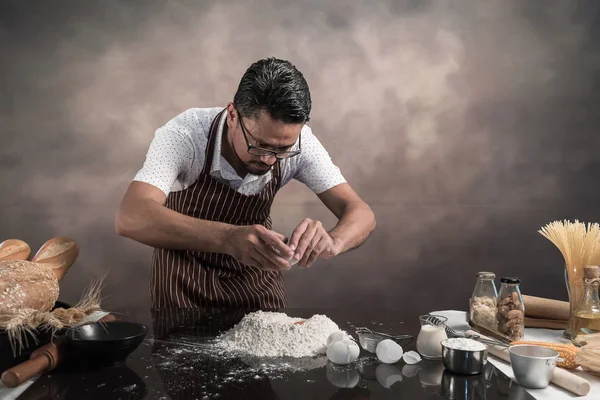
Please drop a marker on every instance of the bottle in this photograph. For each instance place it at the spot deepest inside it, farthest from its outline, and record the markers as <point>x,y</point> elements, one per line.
<point>511,311</point>
<point>482,310</point>
<point>587,312</point>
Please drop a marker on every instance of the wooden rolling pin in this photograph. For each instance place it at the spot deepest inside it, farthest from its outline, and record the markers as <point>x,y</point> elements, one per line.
<point>539,307</point>
<point>42,361</point>
<point>14,249</point>
<point>562,378</point>
<point>544,323</point>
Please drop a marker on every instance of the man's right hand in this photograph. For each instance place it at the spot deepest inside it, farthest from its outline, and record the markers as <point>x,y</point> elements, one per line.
<point>260,247</point>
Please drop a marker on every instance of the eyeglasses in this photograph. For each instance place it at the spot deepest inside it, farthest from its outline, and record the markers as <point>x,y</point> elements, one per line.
<point>260,151</point>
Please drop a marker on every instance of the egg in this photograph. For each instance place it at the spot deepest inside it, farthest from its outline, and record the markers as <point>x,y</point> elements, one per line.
<point>388,351</point>
<point>335,336</point>
<point>387,375</point>
<point>343,351</point>
<point>411,357</point>
<point>344,379</point>
<point>411,370</point>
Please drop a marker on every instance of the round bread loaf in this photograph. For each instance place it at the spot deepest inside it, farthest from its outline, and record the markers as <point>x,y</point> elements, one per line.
<point>27,284</point>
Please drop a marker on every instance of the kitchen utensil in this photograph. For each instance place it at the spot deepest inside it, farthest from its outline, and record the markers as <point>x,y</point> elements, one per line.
<point>369,339</point>
<point>539,307</point>
<point>465,362</point>
<point>108,342</point>
<point>457,386</point>
<point>31,342</point>
<point>556,324</point>
<point>43,360</point>
<point>452,333</point>
<point>562,378</point>
<point>533,366</point>
<point>488,332</point>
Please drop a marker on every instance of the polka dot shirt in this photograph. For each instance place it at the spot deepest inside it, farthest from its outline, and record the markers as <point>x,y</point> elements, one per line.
<point>177,154</point>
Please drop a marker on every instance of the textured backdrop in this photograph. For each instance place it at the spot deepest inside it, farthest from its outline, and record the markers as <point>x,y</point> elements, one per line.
<point>466,126</point>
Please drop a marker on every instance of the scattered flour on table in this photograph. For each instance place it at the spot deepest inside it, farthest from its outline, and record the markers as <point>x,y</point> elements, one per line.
<point>263,345</point>
<point>273,334</point>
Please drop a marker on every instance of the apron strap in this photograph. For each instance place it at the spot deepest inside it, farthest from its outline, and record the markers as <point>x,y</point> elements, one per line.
<point>210,147</point>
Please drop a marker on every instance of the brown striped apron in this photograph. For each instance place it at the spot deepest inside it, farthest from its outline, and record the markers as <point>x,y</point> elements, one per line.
<point>190,279</point>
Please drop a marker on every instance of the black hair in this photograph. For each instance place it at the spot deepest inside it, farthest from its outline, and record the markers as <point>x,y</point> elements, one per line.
<point>274,86</point>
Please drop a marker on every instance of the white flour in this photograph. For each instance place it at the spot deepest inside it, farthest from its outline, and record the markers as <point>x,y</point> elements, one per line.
<point>464,344</point>
<point>272,334</point>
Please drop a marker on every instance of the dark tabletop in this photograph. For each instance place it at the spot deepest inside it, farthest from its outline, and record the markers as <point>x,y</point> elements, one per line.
<point>167,365</point>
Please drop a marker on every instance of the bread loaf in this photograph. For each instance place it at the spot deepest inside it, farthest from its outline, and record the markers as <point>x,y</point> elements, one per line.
<point>14,249</point>
<point>61,252</point>
<point>26,284</point>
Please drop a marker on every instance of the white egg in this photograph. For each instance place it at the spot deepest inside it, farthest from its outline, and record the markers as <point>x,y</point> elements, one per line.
<point>335,336</point>
<point>387,375</point>
<point>343,351</point>
<point>342,379</point>
<point>411,357</point>
<point>388,351</point>
<point>410,371</point>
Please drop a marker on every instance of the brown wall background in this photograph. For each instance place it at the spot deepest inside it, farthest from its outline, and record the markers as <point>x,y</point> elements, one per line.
<point>466,126</point>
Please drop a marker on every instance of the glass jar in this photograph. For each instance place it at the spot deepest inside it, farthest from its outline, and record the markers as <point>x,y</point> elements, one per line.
<point>511,311</point>
<point>482,309</point>
<point>587,313</point>
<point>431,335</point>
<point>574,281</point>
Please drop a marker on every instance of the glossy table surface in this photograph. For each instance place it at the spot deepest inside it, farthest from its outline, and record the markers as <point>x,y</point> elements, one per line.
<point>172,364</point>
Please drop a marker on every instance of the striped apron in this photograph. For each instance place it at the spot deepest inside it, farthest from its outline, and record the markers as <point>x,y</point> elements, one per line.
<point>190,279</point>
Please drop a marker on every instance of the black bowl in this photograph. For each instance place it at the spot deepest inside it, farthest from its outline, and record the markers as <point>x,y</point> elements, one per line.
<point>30,344</point>
<point>108,342</point>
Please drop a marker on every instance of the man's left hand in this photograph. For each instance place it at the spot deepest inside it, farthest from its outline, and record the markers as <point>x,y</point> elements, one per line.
<point>310,241</point>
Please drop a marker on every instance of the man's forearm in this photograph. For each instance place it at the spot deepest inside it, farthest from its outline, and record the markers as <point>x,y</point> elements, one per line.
<point>157,226</point>
<point>354,227</point>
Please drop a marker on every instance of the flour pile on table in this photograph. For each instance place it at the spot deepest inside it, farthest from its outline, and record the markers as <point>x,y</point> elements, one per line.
<point>273,334</point>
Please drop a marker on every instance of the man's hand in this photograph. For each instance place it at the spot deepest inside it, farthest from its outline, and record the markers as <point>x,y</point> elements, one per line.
<point>260,247</point>
<point>311,241</point>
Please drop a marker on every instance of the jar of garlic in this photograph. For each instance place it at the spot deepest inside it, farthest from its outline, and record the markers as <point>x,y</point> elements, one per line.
<point>482,310</point>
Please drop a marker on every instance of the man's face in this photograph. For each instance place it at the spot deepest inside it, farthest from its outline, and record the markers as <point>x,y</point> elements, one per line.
<point>261,133</point>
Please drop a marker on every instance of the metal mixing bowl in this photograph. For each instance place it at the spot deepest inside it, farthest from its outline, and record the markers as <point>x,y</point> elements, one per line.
<point>533,366</point>
<point>465,362</point>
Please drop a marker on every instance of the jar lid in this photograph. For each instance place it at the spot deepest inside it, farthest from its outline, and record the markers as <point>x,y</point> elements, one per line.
<point>510,279</point>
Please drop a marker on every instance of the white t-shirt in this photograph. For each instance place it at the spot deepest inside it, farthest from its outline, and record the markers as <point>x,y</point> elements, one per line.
<point>176,157</point>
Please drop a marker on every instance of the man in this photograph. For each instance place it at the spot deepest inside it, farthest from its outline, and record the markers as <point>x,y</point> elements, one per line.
<point>203,197</point>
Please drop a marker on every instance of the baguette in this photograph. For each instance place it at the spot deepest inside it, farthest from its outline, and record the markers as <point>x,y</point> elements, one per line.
<point>26,284</point>
<point>61,252</point>
<point>14,249</point>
